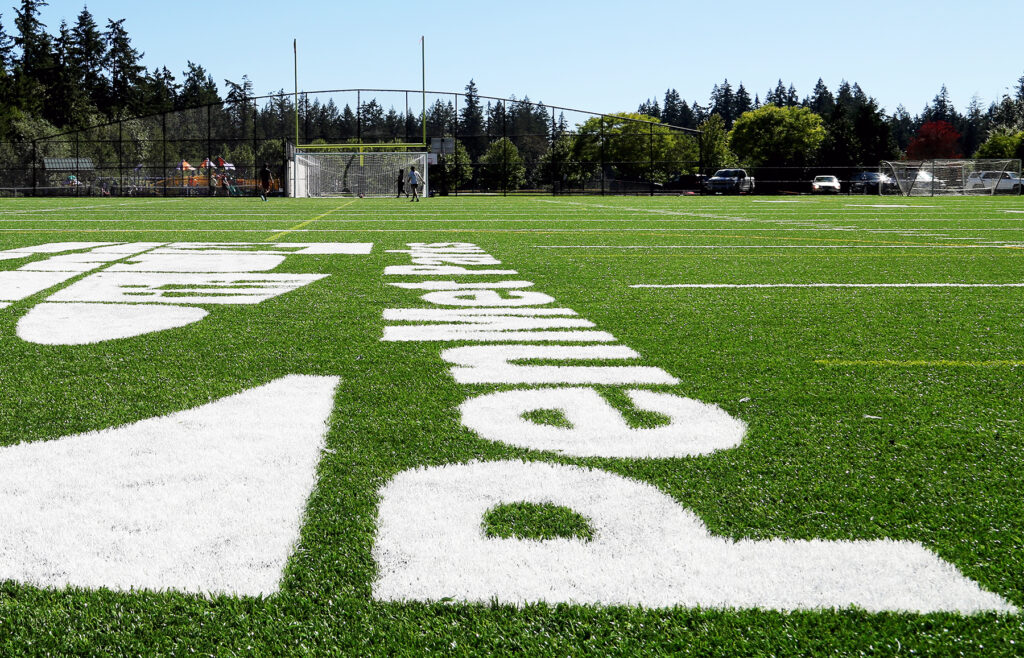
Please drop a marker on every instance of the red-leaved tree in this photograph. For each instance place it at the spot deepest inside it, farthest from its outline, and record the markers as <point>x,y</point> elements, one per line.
<point>935,140</point>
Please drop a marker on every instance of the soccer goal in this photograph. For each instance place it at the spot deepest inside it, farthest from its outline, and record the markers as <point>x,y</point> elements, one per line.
<point>946,177</point>
<point>354,172</point>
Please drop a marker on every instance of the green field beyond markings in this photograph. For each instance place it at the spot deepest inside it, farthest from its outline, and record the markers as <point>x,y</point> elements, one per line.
<point>871,346</point>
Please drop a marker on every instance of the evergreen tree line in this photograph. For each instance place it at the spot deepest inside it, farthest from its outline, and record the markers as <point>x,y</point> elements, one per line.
<point>858,132</point>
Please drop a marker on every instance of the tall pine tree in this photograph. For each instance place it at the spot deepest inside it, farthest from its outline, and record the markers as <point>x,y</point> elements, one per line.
<point>125,72</point>
<point>472,132</point>
<point>88,52</point>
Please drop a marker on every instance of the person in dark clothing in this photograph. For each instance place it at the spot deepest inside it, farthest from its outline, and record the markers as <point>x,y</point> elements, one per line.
<point>401,183</point>
<point>265,180</point>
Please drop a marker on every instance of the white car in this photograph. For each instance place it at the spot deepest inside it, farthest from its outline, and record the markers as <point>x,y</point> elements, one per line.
<point>825,185</point>
<point>1002,181</point>
<point>918,182</point>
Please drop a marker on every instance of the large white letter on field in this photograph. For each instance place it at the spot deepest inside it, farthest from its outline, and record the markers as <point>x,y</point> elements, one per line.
<point>207,500</point>
<point>646,550</point>
<point>598,429</point>
<point>490,364</point>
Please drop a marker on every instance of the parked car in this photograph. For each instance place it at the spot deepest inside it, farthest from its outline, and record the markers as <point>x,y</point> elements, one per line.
<point>1002,181</point>
<point>825,185</point>
<point>919,182</point>
<point>871,182</point>
<point>730,181</point>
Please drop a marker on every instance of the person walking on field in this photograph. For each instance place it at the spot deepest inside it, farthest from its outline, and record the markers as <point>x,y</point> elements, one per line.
<point>401,184</point>
<point>265,179</point>
<point>415,179</point>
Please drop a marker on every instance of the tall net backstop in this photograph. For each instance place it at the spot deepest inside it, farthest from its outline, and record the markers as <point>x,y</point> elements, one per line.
<point>499,146</point>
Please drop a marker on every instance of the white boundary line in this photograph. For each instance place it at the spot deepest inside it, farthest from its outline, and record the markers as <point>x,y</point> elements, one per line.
<point>828,285</point>
<point>790,246</point>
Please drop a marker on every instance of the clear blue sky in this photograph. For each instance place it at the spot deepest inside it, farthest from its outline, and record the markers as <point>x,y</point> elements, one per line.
<point>600,56</point>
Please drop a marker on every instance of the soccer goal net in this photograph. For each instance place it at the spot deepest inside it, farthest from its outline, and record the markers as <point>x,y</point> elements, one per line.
<point>343,173</point>
<point>945,177</point>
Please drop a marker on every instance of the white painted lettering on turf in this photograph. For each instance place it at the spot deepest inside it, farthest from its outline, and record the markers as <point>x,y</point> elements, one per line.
<point>202,262</point>
<point>490,324</point>
<point>458,285</point>
<point>18,284</point>
<point>56,247</point>
<point>182,287</point>
<point>438,270</point>
<point>492,364</point>
<point>208,500</point>
<point>276,248</point>
<point>598,429</point>
<point>647,550</point>
<point>77,262</point>
<point>152,273</point>
<point>80,324</point>
<point>485,297</point>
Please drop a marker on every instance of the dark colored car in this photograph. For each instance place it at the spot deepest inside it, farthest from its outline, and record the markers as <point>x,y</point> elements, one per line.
<point>871,182</point>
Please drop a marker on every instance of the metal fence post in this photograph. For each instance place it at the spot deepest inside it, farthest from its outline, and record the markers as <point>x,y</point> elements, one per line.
<point>602,155</point>
<point>554,155</point>
<point>163,159</point>
<point>650,159</point>
<point>504,148</point>
<point>209,147</point>
<point>120,157</point>
<point>35,176</point>
<point>455,151</point>
<point>255,143</point>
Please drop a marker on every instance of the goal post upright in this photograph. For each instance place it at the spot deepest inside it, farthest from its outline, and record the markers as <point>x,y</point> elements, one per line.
<point>423,67</point>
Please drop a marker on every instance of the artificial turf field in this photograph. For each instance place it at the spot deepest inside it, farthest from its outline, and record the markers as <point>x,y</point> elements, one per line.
<point>872,412</point>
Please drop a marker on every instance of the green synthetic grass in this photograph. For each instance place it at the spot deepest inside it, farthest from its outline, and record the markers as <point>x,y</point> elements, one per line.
<point>872,412</point>
<point>533,521</point>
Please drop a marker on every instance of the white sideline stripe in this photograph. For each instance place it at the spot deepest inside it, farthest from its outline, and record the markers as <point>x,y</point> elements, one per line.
<point>828,285</point>
<point>783,246</point>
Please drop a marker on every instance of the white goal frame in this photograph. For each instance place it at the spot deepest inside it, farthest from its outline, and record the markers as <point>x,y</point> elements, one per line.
<point>954,176</point>
<point>353,172</point>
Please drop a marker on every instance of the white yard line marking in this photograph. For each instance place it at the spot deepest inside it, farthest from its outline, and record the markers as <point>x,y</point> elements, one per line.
<point>828,285</point>
<point>654,211</point>
<point>787,246</point>
<point>885,205</point>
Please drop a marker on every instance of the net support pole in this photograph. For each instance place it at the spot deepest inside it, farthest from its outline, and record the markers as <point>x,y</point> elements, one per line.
<point>295,60</point>
<point>423,67</point>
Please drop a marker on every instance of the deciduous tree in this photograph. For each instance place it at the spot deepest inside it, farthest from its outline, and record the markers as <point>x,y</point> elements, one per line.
<point>935,139</point>
<point>777,136</point>
<point>503,167</point>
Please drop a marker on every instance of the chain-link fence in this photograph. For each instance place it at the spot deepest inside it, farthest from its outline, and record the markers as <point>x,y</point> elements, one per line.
<point>494,146</point>
<point>502,146</point>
